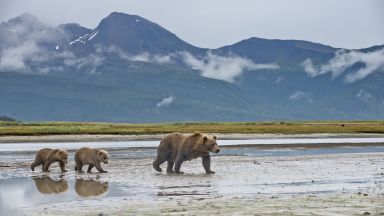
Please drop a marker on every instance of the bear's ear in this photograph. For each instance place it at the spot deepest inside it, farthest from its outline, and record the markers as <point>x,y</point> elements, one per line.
<point>215,137</point>
<point>205,139</point>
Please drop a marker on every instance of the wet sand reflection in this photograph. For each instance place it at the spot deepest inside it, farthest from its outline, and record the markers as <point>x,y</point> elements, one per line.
<point>90,187</point>
<point>47,185</point>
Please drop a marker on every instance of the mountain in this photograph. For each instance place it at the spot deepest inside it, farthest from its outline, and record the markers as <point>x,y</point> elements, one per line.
<point>73,30</point>
<point>135,35</point>
<point>129,69</point>
<point>285,52</point>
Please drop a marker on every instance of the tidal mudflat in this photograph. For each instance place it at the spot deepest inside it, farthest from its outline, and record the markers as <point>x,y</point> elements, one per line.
<point>248,181</point>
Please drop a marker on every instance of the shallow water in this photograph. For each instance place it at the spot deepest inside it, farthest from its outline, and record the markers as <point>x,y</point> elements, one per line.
<point>136,153</point>
<point>7,147</point>
<point>21,192</point>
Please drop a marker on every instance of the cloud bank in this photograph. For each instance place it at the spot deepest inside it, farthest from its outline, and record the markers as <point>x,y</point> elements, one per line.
<point>225,68</point>
<point>344,60</point>
<point>30,47</point>
<point>165,102</point>
<point>27,46</point>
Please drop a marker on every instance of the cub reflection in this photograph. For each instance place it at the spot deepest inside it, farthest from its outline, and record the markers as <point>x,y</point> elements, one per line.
<point>90,187</point>
<point>46,185</point>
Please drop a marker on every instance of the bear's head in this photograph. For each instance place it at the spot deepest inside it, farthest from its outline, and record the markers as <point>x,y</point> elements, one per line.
<point>62,155</point>
<point>104,156</point>
<point>210,143</point>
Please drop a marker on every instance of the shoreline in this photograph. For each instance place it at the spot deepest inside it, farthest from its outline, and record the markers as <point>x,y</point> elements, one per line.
<point>113,138</point>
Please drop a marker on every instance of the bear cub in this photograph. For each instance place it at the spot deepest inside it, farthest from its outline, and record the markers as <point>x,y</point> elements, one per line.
<point>176,148</point>
<point>91,156</point>
<point>47,156</point>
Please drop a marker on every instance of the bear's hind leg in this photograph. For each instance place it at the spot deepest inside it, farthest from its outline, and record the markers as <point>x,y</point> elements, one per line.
<point>90,166</point>
<point>178,162</point>
<point>35,164</point>
<point>170,166</point>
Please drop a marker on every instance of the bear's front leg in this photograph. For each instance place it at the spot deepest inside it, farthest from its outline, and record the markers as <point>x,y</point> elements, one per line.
<point>178,162</point>
<point>62,166</point>
<point>90,167</point>
<point>207,164</point>
<point>46,166</point>
<point>98,167</point>
<point>170,166</point>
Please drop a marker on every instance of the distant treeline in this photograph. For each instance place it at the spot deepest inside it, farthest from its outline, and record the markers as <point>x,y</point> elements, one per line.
<point>6,118</point>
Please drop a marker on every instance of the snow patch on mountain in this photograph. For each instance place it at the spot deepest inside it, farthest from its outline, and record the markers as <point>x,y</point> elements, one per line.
<point>92,35</point>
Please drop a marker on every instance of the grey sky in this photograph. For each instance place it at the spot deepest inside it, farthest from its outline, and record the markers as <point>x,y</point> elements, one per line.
<point>215,23</point>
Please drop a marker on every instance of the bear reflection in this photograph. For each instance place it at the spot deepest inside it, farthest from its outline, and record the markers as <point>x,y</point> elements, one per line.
<point>46,185</point>
<point>90,187</point>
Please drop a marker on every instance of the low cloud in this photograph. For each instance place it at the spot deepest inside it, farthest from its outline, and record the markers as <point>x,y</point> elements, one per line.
<point>365,96</point>
<point>30,58</point>
<point>225,68</point>
<point>166,101</point>
<point>142,57</point>
<point>301,95</point>
<point>279,79</point>
<point>30,47</point>
<point>14,58</point>
<point>344,60</point>
<point>147,57</point>
<point>87,63</point>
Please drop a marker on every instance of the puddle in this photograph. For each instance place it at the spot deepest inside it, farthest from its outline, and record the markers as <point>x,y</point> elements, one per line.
<point>24,192</point>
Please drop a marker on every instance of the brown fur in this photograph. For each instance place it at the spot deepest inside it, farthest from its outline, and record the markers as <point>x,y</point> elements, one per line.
<point>47,156</point>
<point>176,148</point>
<point>91,156</point>
<point>90,187</point>
<point>46,185</point>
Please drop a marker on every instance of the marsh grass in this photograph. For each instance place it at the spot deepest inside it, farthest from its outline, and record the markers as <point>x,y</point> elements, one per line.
<point>57,128</point>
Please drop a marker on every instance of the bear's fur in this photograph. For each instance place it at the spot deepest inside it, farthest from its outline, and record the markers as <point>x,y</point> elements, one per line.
<point>91,156</point>
<point>47,156</point>
<point>90,187</point>
<point>176,148</point>
<point>46,185</point>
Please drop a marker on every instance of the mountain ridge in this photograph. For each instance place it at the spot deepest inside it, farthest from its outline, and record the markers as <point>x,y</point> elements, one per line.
<point>124,68</point>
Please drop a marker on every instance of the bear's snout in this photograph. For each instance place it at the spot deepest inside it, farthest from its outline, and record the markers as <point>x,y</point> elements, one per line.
<point>218,150</point>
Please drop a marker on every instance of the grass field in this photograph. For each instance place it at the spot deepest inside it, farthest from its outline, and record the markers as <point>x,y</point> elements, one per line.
<point>57,128</point>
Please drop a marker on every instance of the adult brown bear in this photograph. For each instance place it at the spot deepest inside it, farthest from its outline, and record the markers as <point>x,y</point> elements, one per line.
<point>176,148</point>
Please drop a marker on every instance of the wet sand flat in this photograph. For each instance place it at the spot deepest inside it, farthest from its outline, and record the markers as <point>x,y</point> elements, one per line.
<point>329,184</point>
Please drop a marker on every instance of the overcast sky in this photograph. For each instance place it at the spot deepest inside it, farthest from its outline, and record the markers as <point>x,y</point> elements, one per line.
<point>215,23</point>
